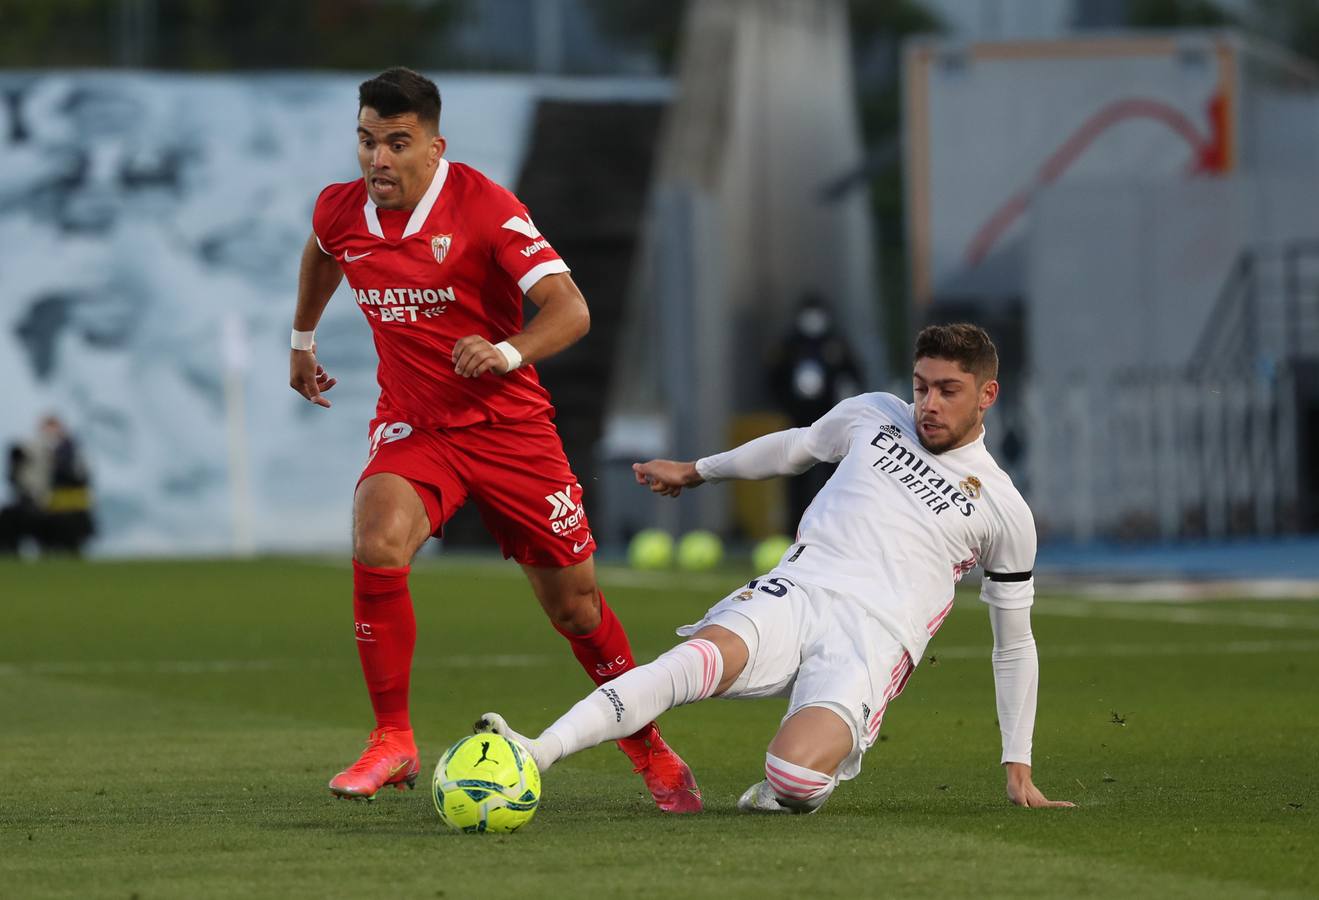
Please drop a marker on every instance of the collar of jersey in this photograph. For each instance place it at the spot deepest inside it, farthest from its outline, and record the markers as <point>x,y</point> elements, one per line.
<point>420,214</point>
<point>977,444</point>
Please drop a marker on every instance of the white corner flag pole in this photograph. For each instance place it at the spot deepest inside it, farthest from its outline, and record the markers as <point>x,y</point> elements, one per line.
<point>235,358</point>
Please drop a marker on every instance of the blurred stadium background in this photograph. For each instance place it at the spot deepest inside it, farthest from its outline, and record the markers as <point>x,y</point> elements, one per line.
<point>1126,204</point>
<point>1122,191</point>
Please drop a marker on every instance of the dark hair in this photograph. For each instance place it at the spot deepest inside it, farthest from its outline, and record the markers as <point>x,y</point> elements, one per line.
<point>397,91</point>
<point>962,343</point>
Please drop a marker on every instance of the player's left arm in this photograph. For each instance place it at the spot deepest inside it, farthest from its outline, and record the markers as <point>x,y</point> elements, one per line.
<point>517,247</point>
<point>563,319</point>
<point>1009,590</point>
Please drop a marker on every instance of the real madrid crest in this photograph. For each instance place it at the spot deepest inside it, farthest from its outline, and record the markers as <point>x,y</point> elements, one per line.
<point>440,246</point>
<point>971,487</point>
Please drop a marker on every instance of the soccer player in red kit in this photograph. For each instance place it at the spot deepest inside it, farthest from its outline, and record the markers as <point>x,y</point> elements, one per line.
<point>438,257</point>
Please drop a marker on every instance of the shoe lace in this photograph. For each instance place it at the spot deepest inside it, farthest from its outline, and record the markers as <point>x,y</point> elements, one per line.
<point>666,766</point>
<point>377,747</point>
<point>641,761</point>
<point>648,756</point>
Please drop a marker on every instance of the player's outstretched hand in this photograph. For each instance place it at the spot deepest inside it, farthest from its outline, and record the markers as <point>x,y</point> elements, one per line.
<point>666,476</point>
<point>473,356</point>
<point>1023,792</point>
<point>308,377</point>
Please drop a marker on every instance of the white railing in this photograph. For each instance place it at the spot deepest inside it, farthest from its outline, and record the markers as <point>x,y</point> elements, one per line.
<point>1161,454</point>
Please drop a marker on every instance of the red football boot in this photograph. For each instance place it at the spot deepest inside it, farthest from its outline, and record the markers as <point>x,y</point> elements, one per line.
<point>668,778</point>
<point>390,758</point>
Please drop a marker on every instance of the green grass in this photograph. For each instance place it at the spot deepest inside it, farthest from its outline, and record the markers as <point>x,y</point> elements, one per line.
<point>167,729</point>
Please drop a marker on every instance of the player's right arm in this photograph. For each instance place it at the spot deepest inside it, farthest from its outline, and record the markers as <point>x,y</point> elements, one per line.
<point>318,277</point>
<point>788,452</point>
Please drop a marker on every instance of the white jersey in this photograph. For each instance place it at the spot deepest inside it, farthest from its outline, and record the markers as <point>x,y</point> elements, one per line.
<point>897,526</point>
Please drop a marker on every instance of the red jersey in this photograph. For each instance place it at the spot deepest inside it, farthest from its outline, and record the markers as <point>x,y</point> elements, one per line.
<point>456,265</point>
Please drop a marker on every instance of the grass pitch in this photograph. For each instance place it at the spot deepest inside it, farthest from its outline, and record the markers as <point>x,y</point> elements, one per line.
<point>167,729</point>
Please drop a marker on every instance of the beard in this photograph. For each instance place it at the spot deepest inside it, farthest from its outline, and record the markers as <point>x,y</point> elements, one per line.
<point>945,438</point>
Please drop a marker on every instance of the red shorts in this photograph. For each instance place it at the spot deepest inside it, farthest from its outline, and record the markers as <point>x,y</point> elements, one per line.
<point>516,473</point>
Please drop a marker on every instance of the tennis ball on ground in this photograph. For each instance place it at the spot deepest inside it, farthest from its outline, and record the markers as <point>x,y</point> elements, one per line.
<point>767,553</point>
<point>699,550</point>
<point>650,549</point>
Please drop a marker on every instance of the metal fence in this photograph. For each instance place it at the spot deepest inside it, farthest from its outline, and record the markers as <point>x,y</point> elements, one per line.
<point>1164,454</point>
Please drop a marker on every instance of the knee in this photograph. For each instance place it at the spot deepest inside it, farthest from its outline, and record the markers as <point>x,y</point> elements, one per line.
<point>575,610</point>
<point>797,787</point>
<point>381,547</point>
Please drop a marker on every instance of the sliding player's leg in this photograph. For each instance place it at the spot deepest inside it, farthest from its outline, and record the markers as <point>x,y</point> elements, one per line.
<point>696,669</point>
<point>851,668</point>
<point>577,609</point>
<point>801,762</point>
<point>748,645</point>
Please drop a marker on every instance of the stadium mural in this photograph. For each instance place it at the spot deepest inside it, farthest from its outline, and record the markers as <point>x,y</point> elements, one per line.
<point>150,228</point>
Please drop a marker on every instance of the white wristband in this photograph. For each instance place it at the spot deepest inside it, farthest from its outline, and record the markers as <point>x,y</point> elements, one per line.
<point>302,340</point>
<point>511,355</point>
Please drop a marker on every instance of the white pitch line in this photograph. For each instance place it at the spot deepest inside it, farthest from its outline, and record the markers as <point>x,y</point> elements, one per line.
<point>1225,648</point>
<point>228,666</point>
<point>723,581</point>
<point>719,582</point>
<point>1186,591</point>
<point>520,661</point>
<point>1182,615</point>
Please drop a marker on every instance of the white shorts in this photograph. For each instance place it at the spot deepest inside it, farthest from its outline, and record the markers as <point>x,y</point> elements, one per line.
<point>816,647</point>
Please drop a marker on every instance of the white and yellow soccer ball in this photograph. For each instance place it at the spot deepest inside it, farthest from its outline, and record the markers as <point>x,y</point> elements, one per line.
<point>486,782</point>
<point>699,550</point>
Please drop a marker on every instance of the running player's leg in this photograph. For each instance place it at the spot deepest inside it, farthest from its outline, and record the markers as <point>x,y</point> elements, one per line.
<point>705,665</point>
<point>577,609</point>
<point>531,503</point>
<point>390,523</point>
<point>403,496</point>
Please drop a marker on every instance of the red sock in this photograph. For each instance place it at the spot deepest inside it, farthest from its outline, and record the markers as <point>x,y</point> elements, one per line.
<point>386,632</point>
<point>604,653</point>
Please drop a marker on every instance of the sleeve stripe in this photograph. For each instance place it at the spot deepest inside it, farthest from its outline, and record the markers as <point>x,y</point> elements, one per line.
<point>536,273</point>
<point>1008,576</point>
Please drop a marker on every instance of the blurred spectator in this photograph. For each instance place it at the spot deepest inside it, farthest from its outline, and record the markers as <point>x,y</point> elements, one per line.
<point>813,369</point>
<point>51,494</point>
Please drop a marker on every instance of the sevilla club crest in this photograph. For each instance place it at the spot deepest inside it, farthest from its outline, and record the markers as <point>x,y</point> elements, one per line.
<point>440,246</point>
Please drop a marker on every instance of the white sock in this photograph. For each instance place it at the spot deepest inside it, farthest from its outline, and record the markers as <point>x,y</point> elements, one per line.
<point>689,672</point>
<point>543,750</point>
<point>797,787</point>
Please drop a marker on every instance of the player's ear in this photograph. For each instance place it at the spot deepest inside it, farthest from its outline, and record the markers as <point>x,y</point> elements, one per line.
<point>988,394</point>
<point>438,144</point>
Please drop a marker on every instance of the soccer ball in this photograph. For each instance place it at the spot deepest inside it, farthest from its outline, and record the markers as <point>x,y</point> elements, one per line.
<point>486,782</point>
<point>651,549</point>
<point>699,550</point>
<point>768,552</point>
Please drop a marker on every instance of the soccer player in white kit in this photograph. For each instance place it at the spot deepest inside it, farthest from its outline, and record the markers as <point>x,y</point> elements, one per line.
<point>839,624</point>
